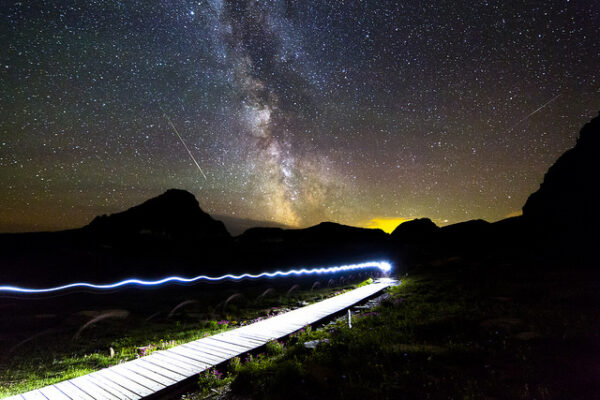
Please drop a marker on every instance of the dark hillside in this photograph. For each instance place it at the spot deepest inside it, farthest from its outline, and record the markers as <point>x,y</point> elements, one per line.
<point>565,211</point>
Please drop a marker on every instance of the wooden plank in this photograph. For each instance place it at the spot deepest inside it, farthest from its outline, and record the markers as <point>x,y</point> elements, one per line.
<point>34,395</point>
<point>128,384</point>
<point>242,345</point>
<point>248,339</point>
<point>15,397</point>
<point>136,368</point>
<point>118,390</point>
<point>161,363</point>
<point>72,391</point>
<point>197,355</point>
<point>284,324</point>
<point>52,393</point>
<point>159,369</point>
<point>320,314</point>
<point>235,347</point>
<point>253,337</point>
<point>198,365</point>
<point>243,339</point>
<point>275,333</point>
<point>161,358</point>
<point>97,392</point>
<point>137,378</point>
<point>215,346</point>
<point>229,353</point>
<point>236,339</point>
<point>260,335</point>
<point>191,369</point>
<point>217,353</point>
<point>279,328</point>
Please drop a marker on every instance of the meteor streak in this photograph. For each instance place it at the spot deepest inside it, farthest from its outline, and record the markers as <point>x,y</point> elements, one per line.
<point>182,142</point>
<point>538,109</point>
<point>381,265</point>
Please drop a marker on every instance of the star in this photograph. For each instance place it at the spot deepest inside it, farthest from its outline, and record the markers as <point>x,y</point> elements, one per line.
<point>296,112</point>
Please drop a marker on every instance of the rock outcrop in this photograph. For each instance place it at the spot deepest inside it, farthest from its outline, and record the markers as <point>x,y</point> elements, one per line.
<point>415,230</point>
<point>172,215</point>
<point>567,204</point>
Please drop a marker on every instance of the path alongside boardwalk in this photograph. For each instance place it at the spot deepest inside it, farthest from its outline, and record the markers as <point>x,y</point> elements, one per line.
<point>163,369</point>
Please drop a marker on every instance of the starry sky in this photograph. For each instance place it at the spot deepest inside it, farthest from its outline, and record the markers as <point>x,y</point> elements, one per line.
<point>366,113</point>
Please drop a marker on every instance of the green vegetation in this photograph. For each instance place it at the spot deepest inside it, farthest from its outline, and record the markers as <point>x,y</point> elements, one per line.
<point>470,333</point>
<point>212,379</point>
<point>456,330</point>
<point>274,348</point>
<point>367,282</point>
<point>72,349</point>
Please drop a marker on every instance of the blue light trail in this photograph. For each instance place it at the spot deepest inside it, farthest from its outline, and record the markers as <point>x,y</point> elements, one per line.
<point>383,266</point>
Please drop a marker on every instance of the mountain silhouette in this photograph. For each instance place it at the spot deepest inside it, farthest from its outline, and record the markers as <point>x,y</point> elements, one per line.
<point>414,230</point>
<point>560,220</point>
<point>567,203</point>
<point>236,225</point>
<point>327,243</point>
<point>168,233</point>
<point>175,214</point>
<point>325,232</point>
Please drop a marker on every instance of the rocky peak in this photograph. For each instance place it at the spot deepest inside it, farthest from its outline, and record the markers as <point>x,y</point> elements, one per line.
<point>175,213</point>
<point>568,200</point>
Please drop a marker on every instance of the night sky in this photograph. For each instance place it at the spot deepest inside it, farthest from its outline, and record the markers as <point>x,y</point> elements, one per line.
<point>360,112</point>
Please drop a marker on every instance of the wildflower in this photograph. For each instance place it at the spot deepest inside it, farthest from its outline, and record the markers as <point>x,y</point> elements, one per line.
<point>145,350</point>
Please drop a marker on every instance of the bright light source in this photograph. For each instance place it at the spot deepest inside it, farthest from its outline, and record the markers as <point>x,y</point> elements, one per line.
<point>381,265</point>
<point>385,280</point>
<point>385,266</point>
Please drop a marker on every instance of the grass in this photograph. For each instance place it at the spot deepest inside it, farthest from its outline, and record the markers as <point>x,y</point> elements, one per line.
<point>47,348</point>
<point>452,330</point>
<point>505,332</point>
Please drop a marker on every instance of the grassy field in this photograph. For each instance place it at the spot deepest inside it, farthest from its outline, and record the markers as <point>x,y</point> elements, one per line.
<point>457,330</point>
<point>46,340</point>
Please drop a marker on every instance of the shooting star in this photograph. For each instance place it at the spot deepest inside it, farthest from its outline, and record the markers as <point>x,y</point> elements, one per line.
<point>182,142</point>
<point>537,110</point>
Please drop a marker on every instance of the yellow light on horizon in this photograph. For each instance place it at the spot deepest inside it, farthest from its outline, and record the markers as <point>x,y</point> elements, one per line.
<point>517,213</point>
<point>386,224</point>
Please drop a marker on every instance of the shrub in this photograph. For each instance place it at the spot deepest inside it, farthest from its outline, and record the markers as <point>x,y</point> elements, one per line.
<point>274,347</point>
<point>235,364</point>
<point>212,325</point>
<point>210,379</point>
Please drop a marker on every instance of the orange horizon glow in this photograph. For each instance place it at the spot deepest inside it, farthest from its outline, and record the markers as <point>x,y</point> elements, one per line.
<point>386,224</point>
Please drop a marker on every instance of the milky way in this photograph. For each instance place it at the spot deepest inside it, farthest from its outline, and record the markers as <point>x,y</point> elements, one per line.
<point>361,112</point>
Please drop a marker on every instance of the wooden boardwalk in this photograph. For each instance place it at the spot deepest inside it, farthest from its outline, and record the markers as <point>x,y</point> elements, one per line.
<point>163,369</point>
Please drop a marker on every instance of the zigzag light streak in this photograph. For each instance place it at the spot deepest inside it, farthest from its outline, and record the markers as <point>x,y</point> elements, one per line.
<point>381,265</point>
